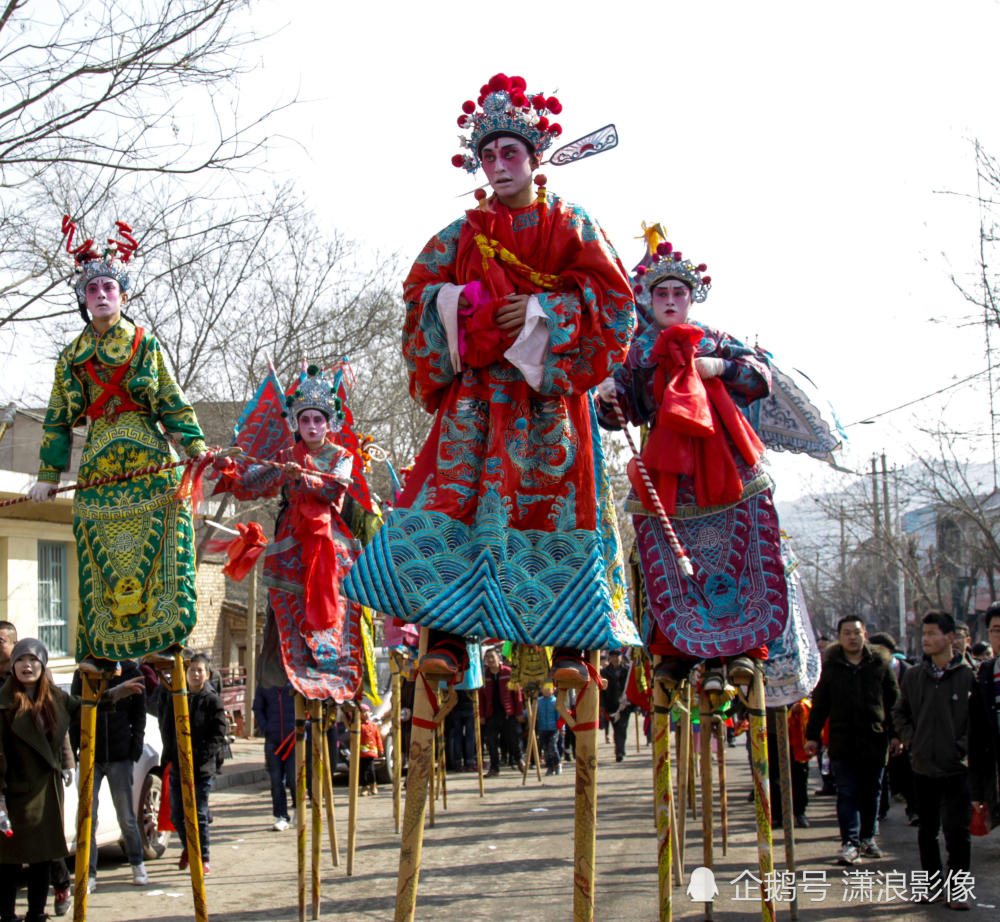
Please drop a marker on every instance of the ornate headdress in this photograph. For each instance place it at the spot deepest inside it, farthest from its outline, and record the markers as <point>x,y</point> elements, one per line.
<point>315,393</point>
<point>505,107</point>
<point>91,264</point>
<point>663,262</point>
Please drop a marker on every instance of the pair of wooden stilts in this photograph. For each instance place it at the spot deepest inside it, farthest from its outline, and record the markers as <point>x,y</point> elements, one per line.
<point>428,716</point>
<point>670,824</point>
<point>94,682</point>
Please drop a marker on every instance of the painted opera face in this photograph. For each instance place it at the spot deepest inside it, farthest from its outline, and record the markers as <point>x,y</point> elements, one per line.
<point>312,427</point>
<point>509,164</point>
<point>671,302</point>
<point>104,300</point>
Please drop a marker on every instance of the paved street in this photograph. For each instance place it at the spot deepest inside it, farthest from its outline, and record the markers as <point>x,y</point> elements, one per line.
<point>508,856</point>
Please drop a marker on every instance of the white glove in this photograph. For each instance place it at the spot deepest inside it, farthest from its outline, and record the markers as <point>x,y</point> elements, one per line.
<point>709,367</point>
<point>606,390</point>
<point>41,491</point>
<point>67,776</point>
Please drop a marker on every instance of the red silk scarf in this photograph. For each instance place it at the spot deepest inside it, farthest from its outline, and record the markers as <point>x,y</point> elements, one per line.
<point>312,528</point>
<point>693,418</point>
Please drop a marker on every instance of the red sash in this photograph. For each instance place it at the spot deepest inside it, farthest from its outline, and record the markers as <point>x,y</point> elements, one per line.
<point>693,419</point>
<point>113,386</point>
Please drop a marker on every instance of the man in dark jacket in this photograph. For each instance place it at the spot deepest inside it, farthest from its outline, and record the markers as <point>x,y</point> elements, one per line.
<point>117,747</point>
<point>856,692</point>
<point>613,699</point>
<point>501,710</point>
<point>274,709</point>
<point>932,718</point>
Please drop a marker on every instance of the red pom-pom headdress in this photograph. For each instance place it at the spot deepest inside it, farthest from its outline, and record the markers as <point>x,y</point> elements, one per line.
<point>662,262</point>
<point>505,107</point>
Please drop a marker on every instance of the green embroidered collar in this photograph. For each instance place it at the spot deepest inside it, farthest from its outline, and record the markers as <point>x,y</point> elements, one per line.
<point>113,348</point>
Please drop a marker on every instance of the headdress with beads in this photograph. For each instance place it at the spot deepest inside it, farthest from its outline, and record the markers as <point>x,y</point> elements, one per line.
<point>90,263</point>
<point>505,107</point>
<point>315,393</point>
<point>663,262</point>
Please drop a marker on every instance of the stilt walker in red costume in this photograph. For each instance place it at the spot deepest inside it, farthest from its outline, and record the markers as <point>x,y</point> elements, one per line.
<point>314,626</point>
<point>505,529</point>
<point>690,384</point>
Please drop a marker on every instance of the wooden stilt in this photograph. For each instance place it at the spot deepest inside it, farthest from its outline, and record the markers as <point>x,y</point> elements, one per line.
<point>300,799</point>
<point>318,744</point>
<point>662,798</point>
<point>530,712</point>
<point>719,726</point>
<point>762,793</point>
<point>787,805</point>
<point>683,770</point>
<point>93,682</point>
<point>415,806</point>
<point>442,760</point>
<point>638,733</point>
<point>479,741</point>
<point>329,718</point>
<point>352,807</point>
<point>533,750</point>
<point>584,725</point>
<point>397,740</point>
<point>185,764</point>
<point>707,813</point>
<point>433,780</point>
<point>693,766</point>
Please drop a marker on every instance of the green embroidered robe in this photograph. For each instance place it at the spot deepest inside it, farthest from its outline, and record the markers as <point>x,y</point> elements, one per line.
<point>135,540</point>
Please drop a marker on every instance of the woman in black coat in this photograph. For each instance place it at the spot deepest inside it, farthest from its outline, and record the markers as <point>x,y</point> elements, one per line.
<point>34,717</point>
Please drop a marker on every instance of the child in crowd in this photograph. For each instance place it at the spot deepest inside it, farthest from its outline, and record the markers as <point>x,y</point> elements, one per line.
<point>547,726</point>
<point>371,748</point>
<point>208,736</point>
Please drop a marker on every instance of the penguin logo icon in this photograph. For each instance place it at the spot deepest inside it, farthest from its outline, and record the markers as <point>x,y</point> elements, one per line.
<point>701,887</point>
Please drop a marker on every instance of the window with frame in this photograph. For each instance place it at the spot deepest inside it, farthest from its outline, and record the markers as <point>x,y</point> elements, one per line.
<point>53,597</point>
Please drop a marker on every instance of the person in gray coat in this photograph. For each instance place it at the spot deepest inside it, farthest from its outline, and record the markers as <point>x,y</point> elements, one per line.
<point>932,721</point>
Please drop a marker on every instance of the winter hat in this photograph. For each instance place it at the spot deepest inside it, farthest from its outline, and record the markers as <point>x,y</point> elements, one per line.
<point>30,647</point>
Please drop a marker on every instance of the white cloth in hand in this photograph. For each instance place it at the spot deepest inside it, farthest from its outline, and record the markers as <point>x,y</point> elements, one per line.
<point>709,367</point>
<point>606,389</point>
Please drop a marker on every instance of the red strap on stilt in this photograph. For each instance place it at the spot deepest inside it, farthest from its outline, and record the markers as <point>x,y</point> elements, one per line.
<point>595,676</point>
<point>432,697</point>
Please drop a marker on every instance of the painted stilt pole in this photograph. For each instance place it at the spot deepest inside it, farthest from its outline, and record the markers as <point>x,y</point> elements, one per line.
<point>93,680</point>
<point>638,733</point>
<point>683,770</point>
<point>662,700</point>
<point>693,767</point>
<point>707,832</point>
<point>762,793</point>
<point>415,805</point>
<point>479,741</point>
<point>397,740</point>
<point>787,806</point>
<point>300,799</point>
<point>185,764</point>
<point>329,717</point>
<point>318,742</point>
<point>352,808</point>
<point>584,726</point>
<point>720,736</point>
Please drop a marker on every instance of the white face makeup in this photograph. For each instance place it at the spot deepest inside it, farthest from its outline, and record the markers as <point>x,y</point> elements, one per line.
<point>671,303</point>
<point>508,166</point>
<point>104,301</point>
<point>313,428</point>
